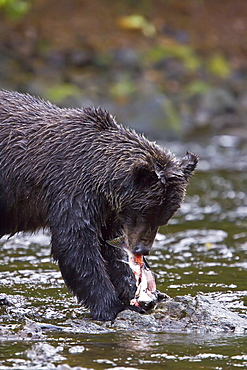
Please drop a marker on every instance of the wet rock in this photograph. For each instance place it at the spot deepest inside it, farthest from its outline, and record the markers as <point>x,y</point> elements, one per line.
<point>67,367</point>
<point>200,314</point>
<point>41,352</point>
<point>28,330</point>
<point>126,57</point>
<point>76,349</point>
<point>152,113</point>
<point>55,59</point>
<point>214,103</point>
<point>4,302</point>
<point>242,107</point>
<point>82,57</point>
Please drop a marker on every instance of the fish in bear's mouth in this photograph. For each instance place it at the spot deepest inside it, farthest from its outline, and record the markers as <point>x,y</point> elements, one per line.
<point>146,295</point>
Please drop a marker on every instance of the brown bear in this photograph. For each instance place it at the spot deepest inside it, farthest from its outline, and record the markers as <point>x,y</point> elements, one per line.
<point>88,179</point>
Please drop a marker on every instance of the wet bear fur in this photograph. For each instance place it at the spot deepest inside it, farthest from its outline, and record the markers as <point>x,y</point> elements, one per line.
<point>88,179</point>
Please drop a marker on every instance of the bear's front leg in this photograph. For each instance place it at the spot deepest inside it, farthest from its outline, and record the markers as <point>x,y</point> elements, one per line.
<point>119,272</point>
<point>83,269</point>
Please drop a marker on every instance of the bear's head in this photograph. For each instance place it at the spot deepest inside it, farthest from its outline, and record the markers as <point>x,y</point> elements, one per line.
<point>151,194</point>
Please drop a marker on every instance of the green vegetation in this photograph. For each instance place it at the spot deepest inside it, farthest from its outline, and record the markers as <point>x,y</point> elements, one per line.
<point>175,50</point>
<point>123,89</point>
<point>216,65</point>
<point>15,8</point>
<point>219,66</point>
<point>57,93</point>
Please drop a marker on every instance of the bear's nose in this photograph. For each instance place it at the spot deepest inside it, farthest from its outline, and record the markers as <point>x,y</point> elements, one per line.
<point>141,250</point>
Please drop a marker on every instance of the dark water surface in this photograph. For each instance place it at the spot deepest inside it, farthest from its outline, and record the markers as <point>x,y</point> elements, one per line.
<point>204,249</point>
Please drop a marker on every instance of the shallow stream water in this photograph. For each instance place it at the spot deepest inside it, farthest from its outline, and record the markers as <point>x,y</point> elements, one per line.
<point>204,249</point>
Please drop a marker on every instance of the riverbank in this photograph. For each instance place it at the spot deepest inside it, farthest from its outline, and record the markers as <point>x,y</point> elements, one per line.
<point>172,70</point>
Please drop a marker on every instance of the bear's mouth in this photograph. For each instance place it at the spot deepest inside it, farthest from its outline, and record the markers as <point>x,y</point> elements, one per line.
<point>146,295</point>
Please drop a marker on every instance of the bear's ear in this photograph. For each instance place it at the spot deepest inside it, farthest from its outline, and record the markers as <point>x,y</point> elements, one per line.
<point>188,164</point>
<point>143,174</point>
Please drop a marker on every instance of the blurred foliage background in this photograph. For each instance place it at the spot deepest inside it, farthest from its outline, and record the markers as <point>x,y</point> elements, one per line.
<point>169,68</point>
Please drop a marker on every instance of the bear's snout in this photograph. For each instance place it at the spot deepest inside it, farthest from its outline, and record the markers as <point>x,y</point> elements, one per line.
<point>139,239</point>
<point>141,249</point>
